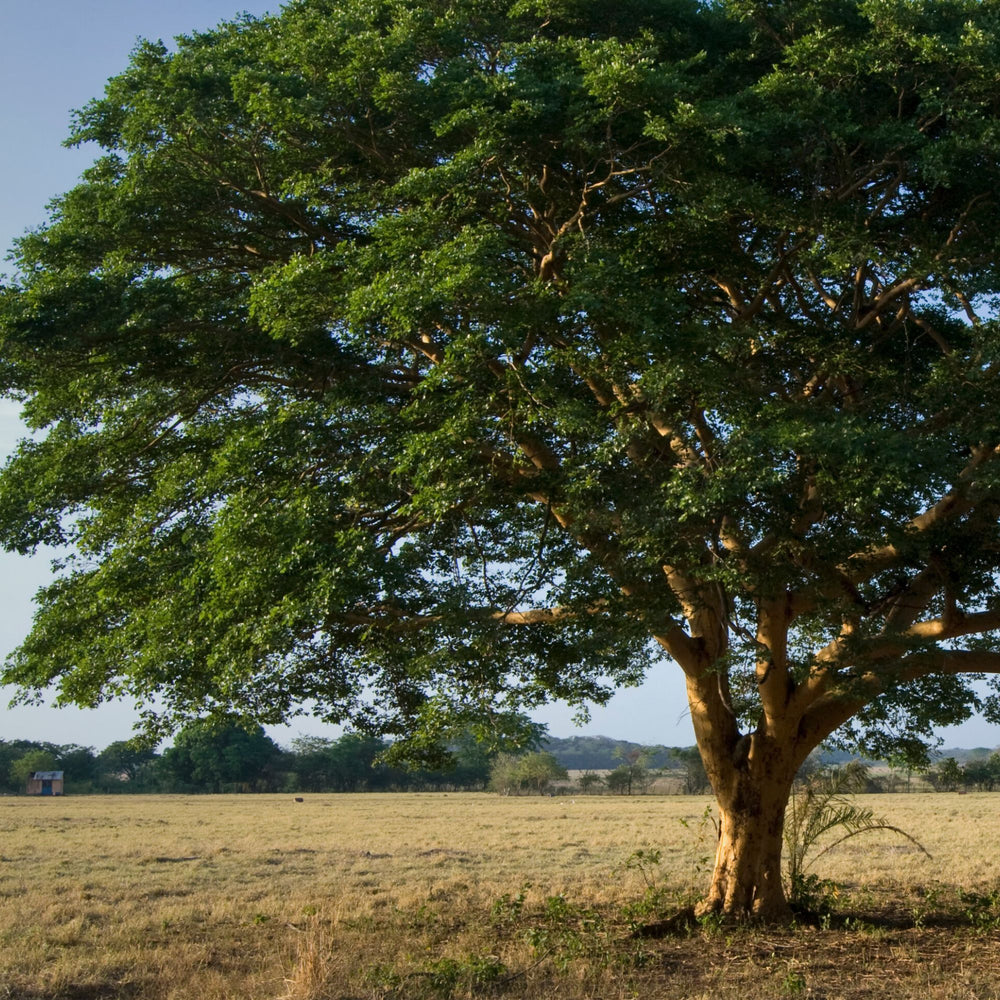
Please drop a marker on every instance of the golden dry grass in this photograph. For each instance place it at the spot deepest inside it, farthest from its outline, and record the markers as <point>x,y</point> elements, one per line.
<point>392,896</point>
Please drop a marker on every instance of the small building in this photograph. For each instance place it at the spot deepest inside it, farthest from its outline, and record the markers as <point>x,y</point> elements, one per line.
<point>46,783</point>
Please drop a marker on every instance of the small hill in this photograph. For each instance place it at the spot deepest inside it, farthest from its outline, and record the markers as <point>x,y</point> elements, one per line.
<point>963,756</point>
<point>598,753</point>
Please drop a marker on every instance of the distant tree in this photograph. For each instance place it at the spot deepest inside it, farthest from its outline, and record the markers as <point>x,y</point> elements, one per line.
<point>539,770</point>
<point>34,760</point>
<point>469,755</point>
<point>619,781</point>
<point>214,758</point>
<point>589,782</point>
<point>503,775</point>
<point>311,762</point>
<point>348,763</point>
<point>946,775</point>
<point>533,771</point>
<point>695,777</point>
<point>470,765</point>
<point>124,760</point>
<point>633,774</point>
<point>12,751</point>
<point>467,764</point>
<point>978,773</point>
<point>79,764</point>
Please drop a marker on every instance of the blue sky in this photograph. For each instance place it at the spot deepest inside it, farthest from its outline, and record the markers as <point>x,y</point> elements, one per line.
<point>54,56</point>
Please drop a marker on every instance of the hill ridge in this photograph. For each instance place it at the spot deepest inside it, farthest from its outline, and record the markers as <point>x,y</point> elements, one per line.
<point>602,753</point>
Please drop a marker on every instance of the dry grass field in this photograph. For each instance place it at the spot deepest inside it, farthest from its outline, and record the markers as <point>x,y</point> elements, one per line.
<point>361,897</point>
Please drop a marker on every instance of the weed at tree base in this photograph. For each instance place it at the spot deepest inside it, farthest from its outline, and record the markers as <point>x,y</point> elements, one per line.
<point>981,909</point>
<point>820,805</point>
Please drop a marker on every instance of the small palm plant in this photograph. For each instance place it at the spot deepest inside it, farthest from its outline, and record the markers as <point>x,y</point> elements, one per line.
<point>822,804</point>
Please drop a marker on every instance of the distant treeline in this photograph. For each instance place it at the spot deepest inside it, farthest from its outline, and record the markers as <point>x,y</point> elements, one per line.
<point>231,759</point>
<point>979,772</point>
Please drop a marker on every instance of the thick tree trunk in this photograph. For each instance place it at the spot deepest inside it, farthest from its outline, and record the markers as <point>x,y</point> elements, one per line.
<point>746,882</point>
<point>751,773</point>
<point>752,784</point>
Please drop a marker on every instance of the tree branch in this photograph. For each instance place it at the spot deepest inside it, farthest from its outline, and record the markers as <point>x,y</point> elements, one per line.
<point>864,565</point>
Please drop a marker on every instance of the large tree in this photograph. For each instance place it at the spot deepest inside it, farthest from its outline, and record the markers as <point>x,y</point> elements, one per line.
<point>206,757</point>
<point>424,361</point>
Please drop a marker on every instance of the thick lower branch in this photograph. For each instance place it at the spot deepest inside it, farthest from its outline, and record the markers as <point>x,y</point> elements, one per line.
<point>830,711</point>
<point>864,565</point>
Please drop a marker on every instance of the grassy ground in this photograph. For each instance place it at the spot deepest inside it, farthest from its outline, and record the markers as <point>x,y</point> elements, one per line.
<point>436,896</point>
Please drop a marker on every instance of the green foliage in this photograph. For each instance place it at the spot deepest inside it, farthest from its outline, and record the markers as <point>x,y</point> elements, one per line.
<point>633,775</point>
<point>569,935</point>
<point>566,931</point>
<point>424,363</point>
<point>814,896</point>
<point>11,751</point>
<point>441,978</point>
<point>946,774</point>
<point>794,983</point>
<point>329,415</point>
<point>507,910</point>
<point>212,758</point>
<point>22,768</point>
<point>982,910</point>
<point>447,977</point>
<point>126,760</point>
<point>657,900</point>
<point>707,836</point>
<point>20,758</point>
<point>79,764</point>
<point>217,758</point>
<point>695,778</point>
<point>346,764</point>
<point>621,780</point>
<point>534,772</point>
<point>979,772</point>
<point>644,861</point>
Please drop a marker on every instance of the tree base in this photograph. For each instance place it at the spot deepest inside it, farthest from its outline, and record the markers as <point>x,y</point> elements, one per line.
<point>678,924</point>
<point>775,913</point>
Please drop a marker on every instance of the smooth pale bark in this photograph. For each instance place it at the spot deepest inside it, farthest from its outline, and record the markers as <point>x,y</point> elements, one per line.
<point>752,777</point>
<point>751,774</point>
<point>747,879</point>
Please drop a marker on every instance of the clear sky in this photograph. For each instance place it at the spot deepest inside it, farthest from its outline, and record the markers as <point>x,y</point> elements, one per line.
<point>54,56</point>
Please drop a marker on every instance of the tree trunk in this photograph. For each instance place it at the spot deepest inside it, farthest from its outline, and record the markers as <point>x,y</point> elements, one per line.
<point>750,773</point>
<point>747,880</point>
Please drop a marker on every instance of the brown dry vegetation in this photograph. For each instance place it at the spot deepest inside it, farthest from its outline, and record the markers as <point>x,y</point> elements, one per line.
<point>358,897</point>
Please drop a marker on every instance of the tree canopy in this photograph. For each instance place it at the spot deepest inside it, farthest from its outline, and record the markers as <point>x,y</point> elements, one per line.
<point>424,362</point>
